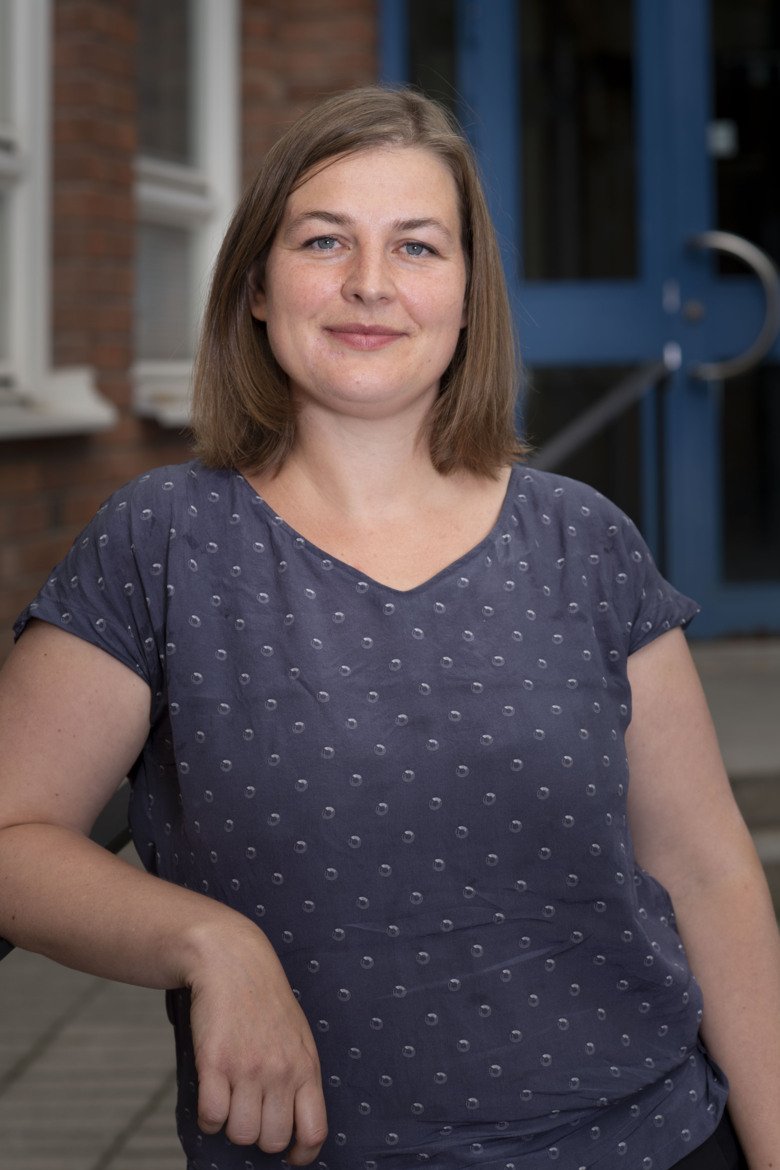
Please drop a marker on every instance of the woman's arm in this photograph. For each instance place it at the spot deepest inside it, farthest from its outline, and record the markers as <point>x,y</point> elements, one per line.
<point>72,722</point>
<point>689,834</point>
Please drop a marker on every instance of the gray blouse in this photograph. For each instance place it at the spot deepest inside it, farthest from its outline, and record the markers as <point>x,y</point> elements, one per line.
<point>420,797</point>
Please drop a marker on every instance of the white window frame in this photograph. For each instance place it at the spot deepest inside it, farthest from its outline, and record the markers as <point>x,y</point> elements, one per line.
<point>35,398</point>
<point>200,198</point>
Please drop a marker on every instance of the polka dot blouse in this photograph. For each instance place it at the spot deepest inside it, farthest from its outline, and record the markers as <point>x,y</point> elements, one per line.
<point>420,797</point>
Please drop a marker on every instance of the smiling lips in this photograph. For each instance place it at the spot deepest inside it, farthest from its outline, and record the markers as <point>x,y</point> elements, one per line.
<point>358,336</point>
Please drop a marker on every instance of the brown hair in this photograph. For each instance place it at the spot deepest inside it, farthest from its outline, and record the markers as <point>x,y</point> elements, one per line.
<point>243,414</point>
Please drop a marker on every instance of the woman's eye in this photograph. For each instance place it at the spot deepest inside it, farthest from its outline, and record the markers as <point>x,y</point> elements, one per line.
<point>413,249</point>
<point>323,244</point>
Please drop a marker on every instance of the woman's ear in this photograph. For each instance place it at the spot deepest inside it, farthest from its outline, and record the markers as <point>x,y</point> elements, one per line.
<point>257,304</point>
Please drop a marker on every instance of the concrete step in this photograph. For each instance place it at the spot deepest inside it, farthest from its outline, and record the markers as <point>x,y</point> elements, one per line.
<point>741,679</point>
<point>759,802</point>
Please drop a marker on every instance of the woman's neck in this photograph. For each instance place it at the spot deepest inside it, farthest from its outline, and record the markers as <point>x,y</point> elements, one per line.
<point>357,468</point>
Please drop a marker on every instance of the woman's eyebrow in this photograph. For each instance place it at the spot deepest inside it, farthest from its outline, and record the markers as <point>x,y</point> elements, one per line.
<point>325,216</point>
<point>339,220</point>
<point>413,225</point>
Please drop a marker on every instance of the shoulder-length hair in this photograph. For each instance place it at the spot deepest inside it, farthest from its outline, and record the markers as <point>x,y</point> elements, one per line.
<point>243,412</point>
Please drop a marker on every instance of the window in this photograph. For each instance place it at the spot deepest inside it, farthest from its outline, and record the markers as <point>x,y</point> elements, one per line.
<point>34,398</point>
<point>186,185</point>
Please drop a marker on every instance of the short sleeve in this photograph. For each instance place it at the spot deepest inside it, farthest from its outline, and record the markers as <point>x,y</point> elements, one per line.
<point>644,603</point>
<point>109,589</point>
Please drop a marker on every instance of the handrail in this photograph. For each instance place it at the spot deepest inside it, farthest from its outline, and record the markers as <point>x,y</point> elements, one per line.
<point>612,404</point>
<point>766,270</point>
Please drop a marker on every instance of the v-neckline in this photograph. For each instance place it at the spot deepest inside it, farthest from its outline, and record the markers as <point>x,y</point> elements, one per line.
<point>303,543</point>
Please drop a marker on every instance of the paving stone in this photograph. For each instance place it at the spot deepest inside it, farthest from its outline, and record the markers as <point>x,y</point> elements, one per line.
<point>87,1071</point>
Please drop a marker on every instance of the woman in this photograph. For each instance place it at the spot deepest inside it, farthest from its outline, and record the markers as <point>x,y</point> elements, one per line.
<point>379,689</point>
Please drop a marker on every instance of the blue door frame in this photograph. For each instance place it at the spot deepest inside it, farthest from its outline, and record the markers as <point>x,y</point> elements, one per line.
<point>630,322</point>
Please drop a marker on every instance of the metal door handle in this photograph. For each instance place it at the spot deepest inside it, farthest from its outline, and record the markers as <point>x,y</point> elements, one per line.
<point>767,273</point>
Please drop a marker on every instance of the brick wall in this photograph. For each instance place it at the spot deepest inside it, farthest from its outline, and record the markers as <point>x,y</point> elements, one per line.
<point>292,52</point>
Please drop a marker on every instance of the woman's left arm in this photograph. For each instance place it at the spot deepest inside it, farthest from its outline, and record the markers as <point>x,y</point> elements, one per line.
<point>689,834</point>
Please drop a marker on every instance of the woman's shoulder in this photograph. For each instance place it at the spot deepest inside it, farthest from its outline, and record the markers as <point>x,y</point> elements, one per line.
<point>552,500</point>
<point>162,500</point>
<point>171,483</point>
<point>576,526</point>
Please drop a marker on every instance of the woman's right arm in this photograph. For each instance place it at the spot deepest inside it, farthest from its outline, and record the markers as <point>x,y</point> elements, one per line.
<point>72,722</point>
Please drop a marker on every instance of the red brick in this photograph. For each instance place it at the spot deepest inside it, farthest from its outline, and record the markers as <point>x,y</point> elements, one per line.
<point>24,518</point>
<point>35,557</point>
<point>108,355</point>
<point>79,507</point>
<point>19,479</point>
<point>12,602</point>
<point>101,468</point>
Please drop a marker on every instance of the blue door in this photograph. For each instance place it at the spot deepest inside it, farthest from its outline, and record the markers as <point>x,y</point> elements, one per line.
<point>628,150</point>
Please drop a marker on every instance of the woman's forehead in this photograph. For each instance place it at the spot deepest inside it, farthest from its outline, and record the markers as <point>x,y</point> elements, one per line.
<point>379,175</point>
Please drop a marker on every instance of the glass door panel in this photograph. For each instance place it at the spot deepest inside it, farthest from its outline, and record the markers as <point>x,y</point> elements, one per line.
<point>611,460</point>
<point>578,158</point>
<point>432,50</point>
<point>750,476</point>
<point>743,137</point>
<point>743,143</point>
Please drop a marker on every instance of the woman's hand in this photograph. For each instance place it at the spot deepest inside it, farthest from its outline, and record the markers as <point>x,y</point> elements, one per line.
<point>258,1071</point>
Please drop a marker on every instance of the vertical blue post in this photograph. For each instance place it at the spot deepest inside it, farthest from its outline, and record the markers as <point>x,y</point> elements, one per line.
<point>692,422</point>
<point>656,247</point>
<point>488,111</point>
<point>393,42</point>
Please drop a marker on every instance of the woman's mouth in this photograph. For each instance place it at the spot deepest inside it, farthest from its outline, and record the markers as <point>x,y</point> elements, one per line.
<point>358,336</point>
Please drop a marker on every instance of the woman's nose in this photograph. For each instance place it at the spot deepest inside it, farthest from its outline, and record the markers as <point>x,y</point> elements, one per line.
<point>368,277</point>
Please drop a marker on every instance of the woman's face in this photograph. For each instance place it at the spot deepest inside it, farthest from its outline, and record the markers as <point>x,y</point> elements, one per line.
<point>365,282</point>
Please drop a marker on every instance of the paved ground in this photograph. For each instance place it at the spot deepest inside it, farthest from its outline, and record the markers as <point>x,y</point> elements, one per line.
<point>86,1067</point>
<point>86,1072</point>
<point>87,1076</point>
<point>742,681</point>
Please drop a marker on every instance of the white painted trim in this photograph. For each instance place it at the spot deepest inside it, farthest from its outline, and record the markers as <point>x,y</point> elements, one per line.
<point>172,206</point>
<point>199,198</point>
<point>29,212</point>
<point>218,65</point>
<point>175,176</point>
<point>67,402</point>
<point>11,166</point>
<point>45,401</point>
<point>163,391</point>
<point>170,194</point>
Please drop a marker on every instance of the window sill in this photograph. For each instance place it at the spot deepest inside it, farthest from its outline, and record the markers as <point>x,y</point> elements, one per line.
<point>162,392</point>
<point>65,403</point>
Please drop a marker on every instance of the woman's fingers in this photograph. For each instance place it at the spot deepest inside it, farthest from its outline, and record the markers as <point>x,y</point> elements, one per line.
<point>276,1128</point>
<point>272,1120</point>
<point>273,1100</point>
<point>244,1124</point>
<point>311,1125</point>
<point>213,1099</point>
